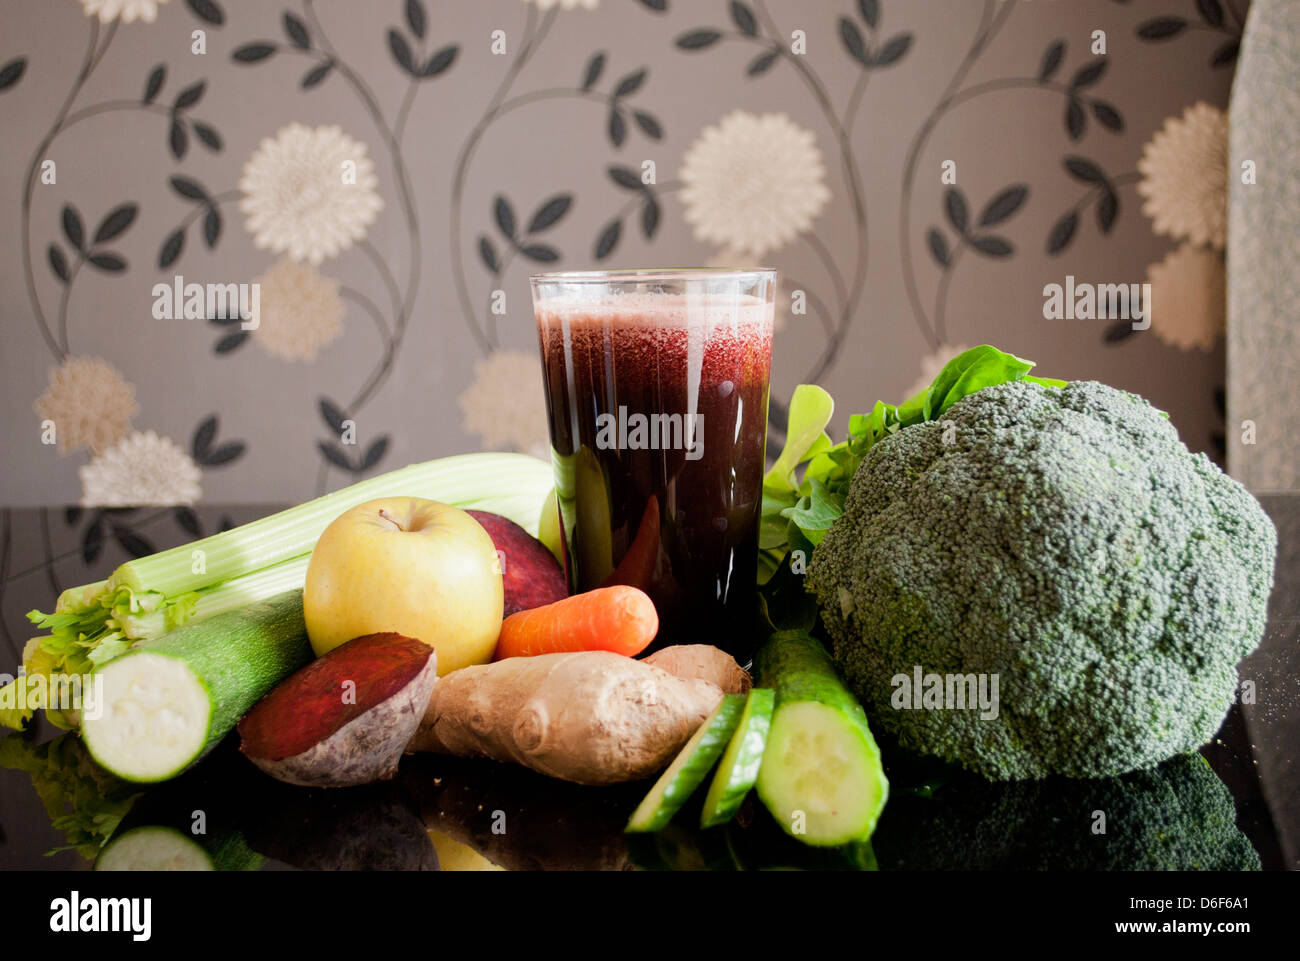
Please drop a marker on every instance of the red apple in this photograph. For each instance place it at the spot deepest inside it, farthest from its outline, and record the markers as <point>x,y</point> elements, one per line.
<point>529,572</point>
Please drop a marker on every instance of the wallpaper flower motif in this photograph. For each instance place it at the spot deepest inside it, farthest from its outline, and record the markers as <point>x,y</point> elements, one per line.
<point>753,183</point>
<point>1184,171</point>
<point>90,403</point>
<point>309,192</point>
<point>141,470</point>
<point>301,312</point>
<point>1188,297</point>
<point>125,10</point>
<point>503,404</point>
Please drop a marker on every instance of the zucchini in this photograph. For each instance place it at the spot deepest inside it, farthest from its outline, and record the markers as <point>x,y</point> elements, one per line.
<point>159,847</point>
<point>167,702</point>
<point>821,776</point>
<point>738,769</point>
<point>689,768</point>
<point>190,824</point>
<point>154,848</point>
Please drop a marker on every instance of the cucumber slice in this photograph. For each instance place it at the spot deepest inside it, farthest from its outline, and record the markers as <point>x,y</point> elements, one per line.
<point>821,775</point>
<point>169,701</point>
<point>154,848</point>
<point>679,847</point>
<point>689,767</point>
<point>738,769</point>
<point>165,847</point>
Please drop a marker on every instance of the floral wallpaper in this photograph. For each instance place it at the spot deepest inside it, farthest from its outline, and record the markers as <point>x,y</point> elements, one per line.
<point>367,187</point>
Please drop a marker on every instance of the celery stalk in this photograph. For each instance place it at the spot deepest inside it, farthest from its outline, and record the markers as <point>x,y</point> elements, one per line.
<point>230,596</point>
<point>79,600</point>
<point>480,481</point>
<point>150,596</point>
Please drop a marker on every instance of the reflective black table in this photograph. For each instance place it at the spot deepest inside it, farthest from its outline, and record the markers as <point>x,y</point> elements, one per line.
<point>57,808</point>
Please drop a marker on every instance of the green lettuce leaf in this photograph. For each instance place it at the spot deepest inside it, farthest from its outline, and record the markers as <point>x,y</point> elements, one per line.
<point>82,800</point>
<point>798,511</point>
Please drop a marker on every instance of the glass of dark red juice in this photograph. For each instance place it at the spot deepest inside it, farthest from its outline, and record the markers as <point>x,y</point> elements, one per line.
<point>656,391</point>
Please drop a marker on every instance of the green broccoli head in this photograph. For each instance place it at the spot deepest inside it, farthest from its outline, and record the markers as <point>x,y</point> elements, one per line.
<point>1175,817</point>
<point>1066,541</point>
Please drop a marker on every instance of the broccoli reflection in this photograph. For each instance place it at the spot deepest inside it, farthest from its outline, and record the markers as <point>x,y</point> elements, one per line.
<point>1175,817</point>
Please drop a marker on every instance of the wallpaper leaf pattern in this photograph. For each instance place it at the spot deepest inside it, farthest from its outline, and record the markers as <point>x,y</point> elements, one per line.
<point>808,170</point>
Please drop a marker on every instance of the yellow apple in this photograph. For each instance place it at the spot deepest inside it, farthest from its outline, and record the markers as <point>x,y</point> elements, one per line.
<point>410,565</point>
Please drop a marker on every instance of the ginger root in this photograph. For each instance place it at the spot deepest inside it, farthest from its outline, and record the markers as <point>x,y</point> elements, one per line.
<point>706,662</point>
<point>591,717</point>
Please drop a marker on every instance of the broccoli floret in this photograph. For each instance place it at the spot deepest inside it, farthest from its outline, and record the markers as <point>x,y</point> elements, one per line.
<point>1175,817</point>
<point>1065,540</point>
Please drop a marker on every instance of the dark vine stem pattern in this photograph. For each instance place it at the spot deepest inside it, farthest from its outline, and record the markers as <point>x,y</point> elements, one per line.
<point>525,244</point>
<point>402,301</point>
<point>94,54</point>
<point>849,302</point>
<point>755,25</point>
<point>307,37</point>
<point>533,36</point>
<point>988,27</point>
<point>89,246</point>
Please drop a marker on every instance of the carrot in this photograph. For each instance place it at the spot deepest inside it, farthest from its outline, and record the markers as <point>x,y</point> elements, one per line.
<point>637,567</point>
<point>620,619</point>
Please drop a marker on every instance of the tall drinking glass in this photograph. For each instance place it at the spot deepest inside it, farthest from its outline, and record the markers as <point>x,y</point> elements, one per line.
<point>656,391</point>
